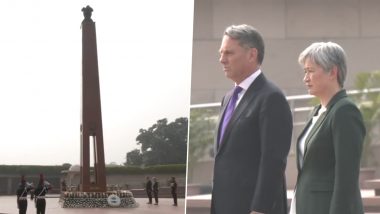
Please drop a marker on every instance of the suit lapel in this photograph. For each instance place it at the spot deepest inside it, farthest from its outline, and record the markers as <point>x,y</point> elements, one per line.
<point>249,95</point>
<point>315,128</point>
<point>322,118</point>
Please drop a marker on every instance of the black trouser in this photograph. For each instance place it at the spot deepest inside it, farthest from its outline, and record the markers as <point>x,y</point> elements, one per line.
<point>174,194</point>
<point>22,206</point>
<point>155,193</point>
<point>149,196</point>
<point>41,206</point>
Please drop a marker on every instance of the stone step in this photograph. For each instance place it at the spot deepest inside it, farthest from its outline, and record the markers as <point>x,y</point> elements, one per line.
<point>373,184</point>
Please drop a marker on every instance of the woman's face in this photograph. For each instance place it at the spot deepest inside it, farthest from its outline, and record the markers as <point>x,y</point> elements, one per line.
<point>316,79</point>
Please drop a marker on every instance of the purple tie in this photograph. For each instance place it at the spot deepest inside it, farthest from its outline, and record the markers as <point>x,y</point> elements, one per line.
<point>229,111</point>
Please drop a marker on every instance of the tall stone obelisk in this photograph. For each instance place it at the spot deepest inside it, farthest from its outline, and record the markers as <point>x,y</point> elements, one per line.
<point>91,127</point>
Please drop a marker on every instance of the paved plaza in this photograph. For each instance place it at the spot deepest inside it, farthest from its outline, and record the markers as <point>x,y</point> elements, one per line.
<point>200,204</point>
<point>8,206</point>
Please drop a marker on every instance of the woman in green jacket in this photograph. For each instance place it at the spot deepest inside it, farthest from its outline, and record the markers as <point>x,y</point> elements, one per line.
<point>330,146</point>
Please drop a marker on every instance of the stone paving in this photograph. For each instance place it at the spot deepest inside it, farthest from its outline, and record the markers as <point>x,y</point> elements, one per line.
<point>200,204</point>
<point>8,206</point>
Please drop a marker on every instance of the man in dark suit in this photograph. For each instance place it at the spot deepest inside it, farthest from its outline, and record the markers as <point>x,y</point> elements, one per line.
<point>155,190</point>
<point>173,190</point>
<point>148,188</point>
<point>254,132</point>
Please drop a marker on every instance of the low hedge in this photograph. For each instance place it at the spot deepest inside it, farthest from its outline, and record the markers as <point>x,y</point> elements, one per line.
<point>173,168</point>
<point>30,169</point>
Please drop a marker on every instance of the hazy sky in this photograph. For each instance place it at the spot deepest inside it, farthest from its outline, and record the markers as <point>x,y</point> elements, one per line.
<point>144,54</point>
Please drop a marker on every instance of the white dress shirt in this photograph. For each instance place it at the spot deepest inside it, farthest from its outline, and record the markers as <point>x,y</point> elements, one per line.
<point>246,83</point>
<point>302,150</point>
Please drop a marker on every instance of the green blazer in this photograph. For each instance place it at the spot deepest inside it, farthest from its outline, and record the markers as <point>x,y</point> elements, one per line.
<point>328,178</point>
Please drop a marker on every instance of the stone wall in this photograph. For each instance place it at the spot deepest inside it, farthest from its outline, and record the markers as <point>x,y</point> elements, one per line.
<point>288,26</point>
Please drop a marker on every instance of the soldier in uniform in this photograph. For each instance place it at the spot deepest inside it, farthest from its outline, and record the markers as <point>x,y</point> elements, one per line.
<point>63,186</point>
<point>39,193</point>
<point>155,190</point>
<point>148,188</point>
<point>22,193</point>
<point>173,187</point>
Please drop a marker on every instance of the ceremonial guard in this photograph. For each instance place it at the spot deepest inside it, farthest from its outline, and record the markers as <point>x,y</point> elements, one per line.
<point>155,190</point>
<point>39,193</point>
<point>173,187</point>
<point>22,193</point>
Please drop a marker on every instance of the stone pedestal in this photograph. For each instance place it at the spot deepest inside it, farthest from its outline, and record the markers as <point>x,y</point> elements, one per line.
<point>113,199</point>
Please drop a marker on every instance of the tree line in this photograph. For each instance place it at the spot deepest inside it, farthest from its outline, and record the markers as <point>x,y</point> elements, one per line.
<point>162,143</point>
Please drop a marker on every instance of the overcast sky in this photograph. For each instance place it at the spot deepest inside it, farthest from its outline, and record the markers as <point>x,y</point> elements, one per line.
<point>144,55</point>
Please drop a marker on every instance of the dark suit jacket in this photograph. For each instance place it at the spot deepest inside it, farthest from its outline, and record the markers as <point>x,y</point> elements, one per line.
<point>155,187</point>
<point>250,163</point>
<point>328,181</point>
<point>148,186</point>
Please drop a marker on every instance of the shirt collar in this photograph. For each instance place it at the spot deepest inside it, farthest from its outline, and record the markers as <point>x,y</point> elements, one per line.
<point>249,80</point>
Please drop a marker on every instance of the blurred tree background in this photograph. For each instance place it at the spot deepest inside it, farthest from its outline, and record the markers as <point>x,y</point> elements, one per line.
<point>162,143</point>
<point>202,131</point>
<point>368,84</point>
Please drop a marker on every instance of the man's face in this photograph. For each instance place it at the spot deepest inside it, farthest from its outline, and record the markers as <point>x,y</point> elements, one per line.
<point>236,60</point>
